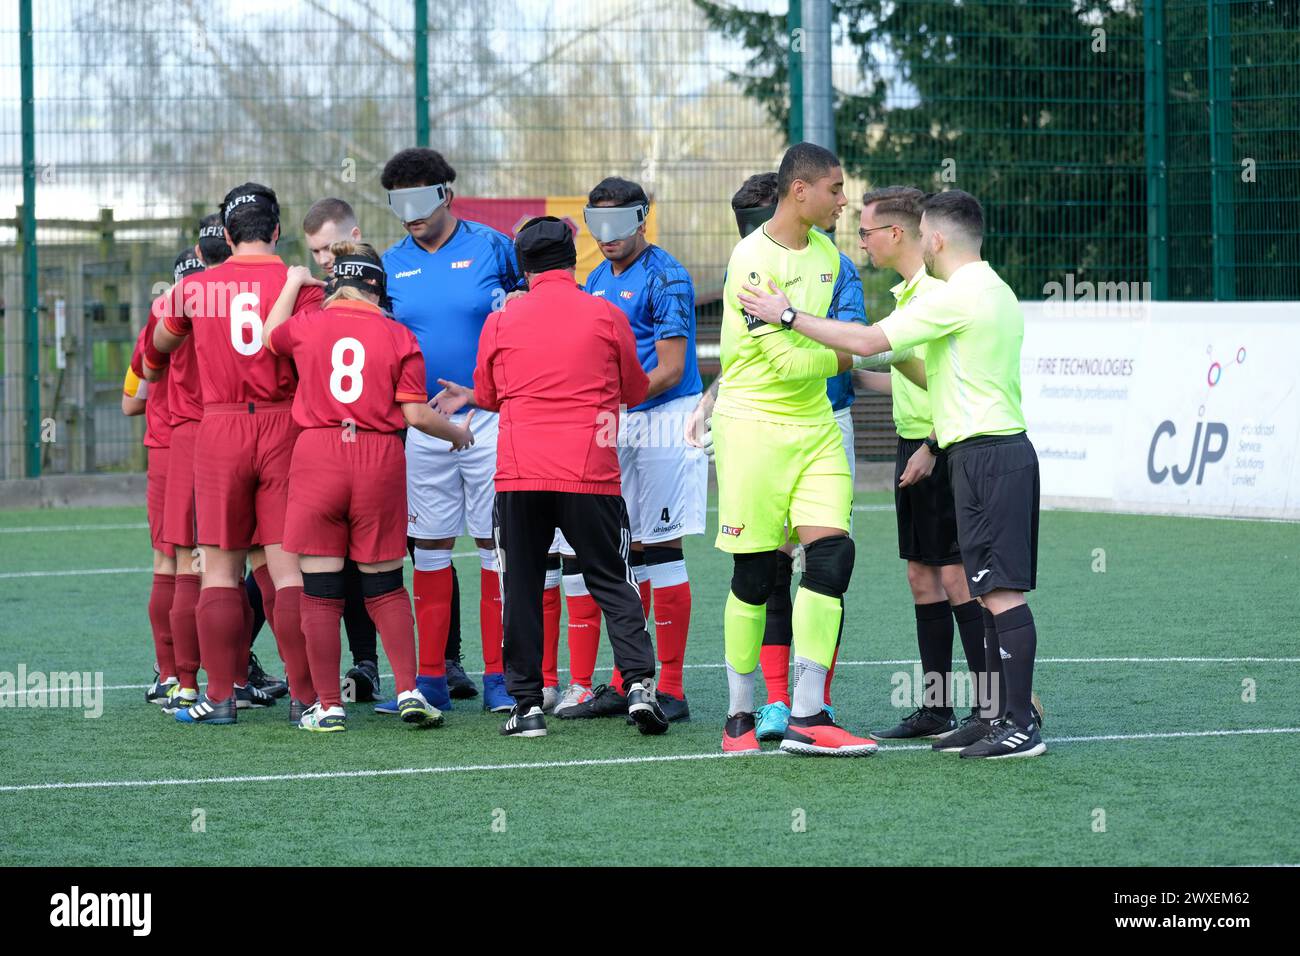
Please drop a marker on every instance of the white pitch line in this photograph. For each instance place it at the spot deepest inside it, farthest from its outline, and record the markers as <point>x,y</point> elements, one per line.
<point>560,764</point>
<point>67,574</point>
<point>42,528</point>
<point>844,663</point>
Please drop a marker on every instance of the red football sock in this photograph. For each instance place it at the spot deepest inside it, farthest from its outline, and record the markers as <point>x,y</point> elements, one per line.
<point>220,620</point>
<point>584,637</point>
<point>185,634</point>
<point>160,606</point>
<point>672,621</point>
<point>391,613</point>
<point>551,637</point>
<point>266,587</point>
<point>774,659</point>
<point>320,619</point>
<point>489,618</point>
<point>433,618</point>
<point>830,672</point>
<point>293,646</point>
<point>245,648</point>
<point>616,681</point>
<point>646,589</point>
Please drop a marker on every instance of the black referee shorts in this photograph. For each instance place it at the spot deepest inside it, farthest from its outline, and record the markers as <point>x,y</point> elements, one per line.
<point>995,490</point>
<point>927,520</point>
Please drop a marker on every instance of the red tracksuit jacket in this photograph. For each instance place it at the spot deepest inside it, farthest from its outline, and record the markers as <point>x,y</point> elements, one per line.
<point>557,363</point>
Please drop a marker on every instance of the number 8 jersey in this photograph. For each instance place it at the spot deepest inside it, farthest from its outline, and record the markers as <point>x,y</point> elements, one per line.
<point>225,308</point>
<point>356,366</point>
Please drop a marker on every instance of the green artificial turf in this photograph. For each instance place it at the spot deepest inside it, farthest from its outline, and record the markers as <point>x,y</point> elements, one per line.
<point>1171,588</point>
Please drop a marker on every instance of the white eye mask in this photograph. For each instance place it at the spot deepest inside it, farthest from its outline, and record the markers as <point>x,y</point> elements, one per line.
<point>418,202</point>
<point>612,223</point>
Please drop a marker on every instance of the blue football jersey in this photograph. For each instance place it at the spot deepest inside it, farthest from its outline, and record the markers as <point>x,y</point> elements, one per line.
<point>847,305</point>
<point>658,297</point>
<point>444,297</point>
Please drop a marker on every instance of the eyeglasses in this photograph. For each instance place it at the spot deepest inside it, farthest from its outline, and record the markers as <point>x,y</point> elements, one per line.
<point>863,233</point>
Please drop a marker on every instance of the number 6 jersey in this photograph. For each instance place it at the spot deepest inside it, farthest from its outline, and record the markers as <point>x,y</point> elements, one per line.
<point>225,308</point>
<point>356,366</point>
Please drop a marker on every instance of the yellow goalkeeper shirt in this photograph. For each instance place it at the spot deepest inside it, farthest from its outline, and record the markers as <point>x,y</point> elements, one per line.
<point>770,373</point>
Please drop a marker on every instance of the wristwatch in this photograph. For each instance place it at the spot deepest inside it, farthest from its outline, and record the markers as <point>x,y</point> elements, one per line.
<point>787,318</point>
<point>932,444</point>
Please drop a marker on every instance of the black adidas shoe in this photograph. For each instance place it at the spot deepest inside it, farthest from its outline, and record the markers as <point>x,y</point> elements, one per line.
<point>674,708</point>
<point>458,683</point>
<point>1007,739</point>
<point>604,702</point>
<point>364,676</point>
<point>206,712</point>
<point>972,728</point>
<point>249,696</point>
<point>529,724</point>
<point>644,709</point>
<point>922,722</point>
<point>263,681</point>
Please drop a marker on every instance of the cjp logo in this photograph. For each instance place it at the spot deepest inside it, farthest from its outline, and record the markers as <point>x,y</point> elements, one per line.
<point>1206,449</point>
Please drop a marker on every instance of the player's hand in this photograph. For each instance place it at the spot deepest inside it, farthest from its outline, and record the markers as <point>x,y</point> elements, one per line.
<point>699,432</point>
<point>918,467</point>
<point>464,437</point>
<point>514,295</point>
<point>766,305</point>
<point>300,276</point>
<point>452,398</point>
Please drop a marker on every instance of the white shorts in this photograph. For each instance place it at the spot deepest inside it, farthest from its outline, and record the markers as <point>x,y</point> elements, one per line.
<point>449,493</point>
<point>844,418</point>
<point>665,480</point>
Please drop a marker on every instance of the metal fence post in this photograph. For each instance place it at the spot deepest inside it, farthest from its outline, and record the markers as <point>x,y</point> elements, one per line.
<point>794,68</point>
<point>818,94</point>
<point>1222,168</point>
<point>421,10</point>
<point>1157,147</point>
<point>31,287</point>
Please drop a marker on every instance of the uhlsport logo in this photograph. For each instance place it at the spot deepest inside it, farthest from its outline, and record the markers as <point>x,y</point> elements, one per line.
<point>77,909</point>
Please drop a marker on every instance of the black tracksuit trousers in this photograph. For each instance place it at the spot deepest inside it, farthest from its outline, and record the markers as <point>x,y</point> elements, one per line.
<point>596,527</point>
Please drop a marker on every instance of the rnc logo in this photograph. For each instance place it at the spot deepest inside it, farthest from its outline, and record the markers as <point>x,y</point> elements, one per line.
<point>1207,450</point>
<point>732,530</point>
<point>462,263</point>
<point>626,294</point>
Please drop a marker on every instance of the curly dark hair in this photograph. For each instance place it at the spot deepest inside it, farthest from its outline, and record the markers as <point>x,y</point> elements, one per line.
<point>416,166</point>
<point>758,190</point>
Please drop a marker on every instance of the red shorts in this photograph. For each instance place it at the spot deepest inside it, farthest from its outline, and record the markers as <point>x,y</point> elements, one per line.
<point>241,474</point>
<point>178,509</point>
<point>347,498</point>
<point>155,499</point>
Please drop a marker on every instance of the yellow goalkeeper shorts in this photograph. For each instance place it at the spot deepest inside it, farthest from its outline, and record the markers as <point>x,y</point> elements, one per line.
<point>774,478</point>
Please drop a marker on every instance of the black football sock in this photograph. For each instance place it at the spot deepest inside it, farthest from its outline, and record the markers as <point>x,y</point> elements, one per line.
<point>778,629</point>
<point>453,629</point>
<point>970,625</point>
<point>934,638</point>
<point>993,691</point>
<point>1018,640</point>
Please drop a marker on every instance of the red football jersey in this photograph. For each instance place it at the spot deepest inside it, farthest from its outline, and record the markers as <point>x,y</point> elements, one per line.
<point>354,365</point>
<point>184,401</point>
<point>157,414</point>
<point>225,308</point>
